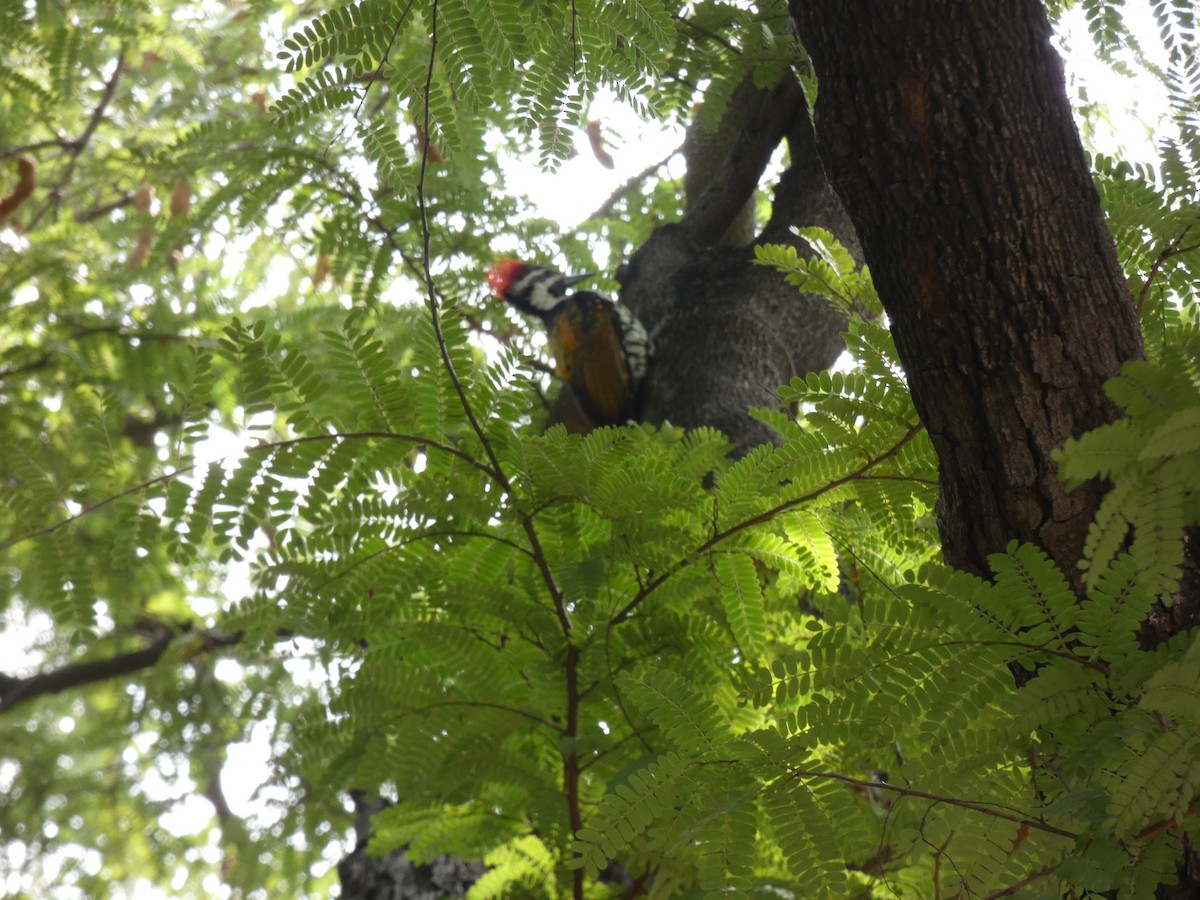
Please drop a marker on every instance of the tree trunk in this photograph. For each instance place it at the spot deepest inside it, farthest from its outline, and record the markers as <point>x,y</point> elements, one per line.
<point>946,130</point>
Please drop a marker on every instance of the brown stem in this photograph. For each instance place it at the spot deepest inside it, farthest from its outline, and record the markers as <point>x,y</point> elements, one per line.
<point>938,798</point>
<point>480,704</point>
<point>1171,250</point>
<point>80,143</point>
<point>426,274</point>
<point>706,33</point>
<point>571,767</point>
<point>95,212</point>
<point>1023,883</point>
<point>60,142</point>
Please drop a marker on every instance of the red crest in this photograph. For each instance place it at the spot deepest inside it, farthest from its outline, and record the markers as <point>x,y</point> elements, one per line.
<point>504,274</point>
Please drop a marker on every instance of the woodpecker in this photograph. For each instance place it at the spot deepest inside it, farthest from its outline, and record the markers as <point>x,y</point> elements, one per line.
<point>600,348</point>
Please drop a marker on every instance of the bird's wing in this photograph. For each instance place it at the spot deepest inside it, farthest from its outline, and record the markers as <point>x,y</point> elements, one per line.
<point>586,341</point>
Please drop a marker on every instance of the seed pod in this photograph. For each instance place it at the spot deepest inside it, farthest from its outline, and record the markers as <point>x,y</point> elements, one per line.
<point>596,139</point>
<point>426,146</point>
<point>143,198</point>
<point>27,180</point>
<point>321,270</point>
<point>181,198</point>
<point>137,256</point>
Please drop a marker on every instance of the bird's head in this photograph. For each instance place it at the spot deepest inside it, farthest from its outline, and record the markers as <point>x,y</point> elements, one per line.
<point>535,290</point>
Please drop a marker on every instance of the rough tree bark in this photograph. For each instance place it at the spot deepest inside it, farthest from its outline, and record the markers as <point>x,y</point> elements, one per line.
<point>729,332</point>
<point>393,876</point>
<point>945,129</point>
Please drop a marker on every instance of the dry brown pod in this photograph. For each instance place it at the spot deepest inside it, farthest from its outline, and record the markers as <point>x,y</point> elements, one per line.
<point>27,181</point>
<point>426,146</point>
<point>321,270</point>
<point>143,198</point>
<point>137,256</point>
<point>596,139</point>
<point>181,198</point>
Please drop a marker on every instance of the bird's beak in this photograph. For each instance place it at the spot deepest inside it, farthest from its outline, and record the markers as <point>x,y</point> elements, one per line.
<point>569,280</point>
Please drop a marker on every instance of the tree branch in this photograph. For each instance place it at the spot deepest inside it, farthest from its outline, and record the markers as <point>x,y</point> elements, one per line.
<point>61,142</point>
<point>1171,250</point>
<point>629,187</point>
<point>79,144</point>
<point>95,212</point>
<point>761,120</point>
<point>986,809</point>
<point>15,691</point>
<point>706,33</point>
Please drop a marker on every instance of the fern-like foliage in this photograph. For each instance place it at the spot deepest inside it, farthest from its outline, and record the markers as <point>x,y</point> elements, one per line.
<point>619,658</point>
<point>1181,154</point>
<point>1150,457</point>
<point>1155,237</point>
<point>358,32</point>
<point>474,573</point>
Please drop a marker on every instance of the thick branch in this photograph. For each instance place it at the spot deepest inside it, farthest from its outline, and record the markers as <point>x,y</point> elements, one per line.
<point>728,331</point>
<point>15,691</point>
<point>756,122</point>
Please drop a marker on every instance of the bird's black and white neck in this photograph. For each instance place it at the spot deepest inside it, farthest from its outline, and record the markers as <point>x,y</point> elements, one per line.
<point>534,290</point>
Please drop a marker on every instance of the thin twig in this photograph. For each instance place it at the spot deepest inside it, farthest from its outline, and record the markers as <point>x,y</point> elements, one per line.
<point>571,772</point>
<point>571,766</point>
<point>412,539</point>
<point>574,39</point>
<point>1146,834</point>
<point>426,275</point>
<point>1024,883</point>
<point>60,142</point>
<point>629,187</point>
<point>1172,249</point>
<point>762,517</point>
<point>483,704</point>
<point>378,70</point>
<point>80,143</point>
<point>985,808</point>
<point>88,215</point>
<point>711,35</point>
